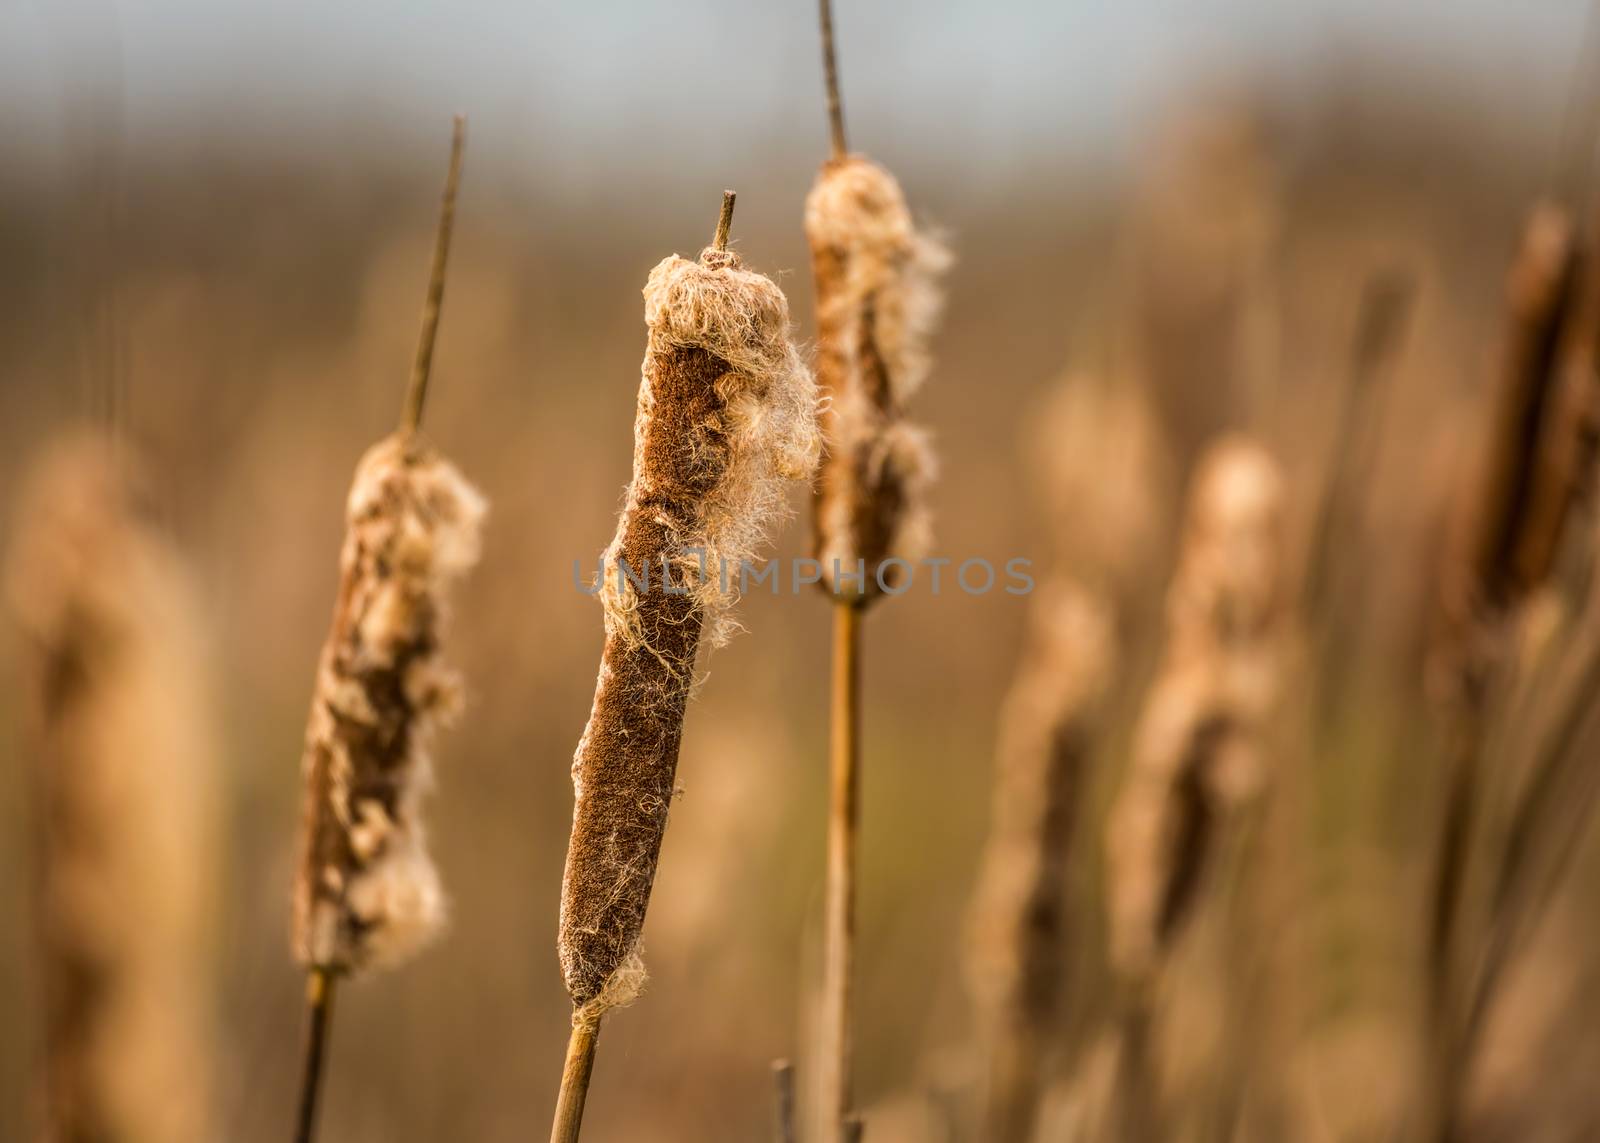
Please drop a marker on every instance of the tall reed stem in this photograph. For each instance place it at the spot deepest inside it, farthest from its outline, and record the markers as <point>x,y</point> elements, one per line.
<point>319,1015</point>
<point>422,366</point>
<point>575,1081</point>
<point>844,814</point>
<point>830,71</point>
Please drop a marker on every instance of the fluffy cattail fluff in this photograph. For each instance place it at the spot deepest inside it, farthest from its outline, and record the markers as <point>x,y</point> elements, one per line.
<point>726,418</point>
<point>366,892</point>
<point>123,759</point>
<point>1197,748</point>
<point>877,301</point>
<point>1019,939</point>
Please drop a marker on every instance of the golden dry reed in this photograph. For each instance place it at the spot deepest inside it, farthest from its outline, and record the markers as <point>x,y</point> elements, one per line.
<point>726,419</point>
<point>1019,938</point>
<point>367,893</point>
<point>1198,749</point>
<point>875,277</point>
<point>123,760</point>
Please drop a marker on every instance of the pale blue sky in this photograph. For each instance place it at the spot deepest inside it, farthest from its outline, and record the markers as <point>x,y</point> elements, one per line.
<point>958,85</point>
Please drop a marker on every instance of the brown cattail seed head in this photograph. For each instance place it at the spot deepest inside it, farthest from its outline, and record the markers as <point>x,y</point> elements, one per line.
<point>726,417</point>
<point>877,302</point>
<point>1019,939</point>
<point>367,893</point>
<point>1197,749</point>
<point>124,764</point>
<point>1523,501</point>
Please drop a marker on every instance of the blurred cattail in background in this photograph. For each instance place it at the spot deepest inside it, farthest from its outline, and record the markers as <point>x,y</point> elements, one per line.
<point>123,762</point>
<point>1515,522</point>
<point>1199,753</point>
<point>1019,937</point>
<point>366,893</point>
<point>726,419</point>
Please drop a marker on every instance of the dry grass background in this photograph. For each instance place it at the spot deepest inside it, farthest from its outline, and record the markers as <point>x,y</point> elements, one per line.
<point>264,315</point>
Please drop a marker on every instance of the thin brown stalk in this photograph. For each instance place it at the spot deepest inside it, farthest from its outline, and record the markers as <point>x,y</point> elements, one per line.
<point>319,1017</point>
<point>575,1074</point>
<point>422,366</point>
<point>830,70</point>
<point>719,240</point>
<point>1380,328</point>
<point>844,822</point>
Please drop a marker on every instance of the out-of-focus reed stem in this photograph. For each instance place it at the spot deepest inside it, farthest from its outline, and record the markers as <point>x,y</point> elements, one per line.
<point>319,1015</point>
<point>830,68</point>
<point>844,815</point>
<point>422,366</point>
<point>783,1081</point>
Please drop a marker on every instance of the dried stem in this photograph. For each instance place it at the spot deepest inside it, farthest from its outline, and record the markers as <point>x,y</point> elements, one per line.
<point>843,825</point>
<point>1385,309</point>
<point>417,391</point>
<point>719,240</point>
<point>575,1081</point>
<point>783,1080</point>
<point>319,1015</point>
<point>830,68</point>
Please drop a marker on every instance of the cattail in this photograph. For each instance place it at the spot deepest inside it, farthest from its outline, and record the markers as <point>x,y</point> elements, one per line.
<point>877,300</point>
<point>123,759</point>
<point>366,892</point>
<point>1540,458</point>
<point>726,418</point>
<point>1049,729</point>
<point>1198,749</point>
<point>1516,515</point>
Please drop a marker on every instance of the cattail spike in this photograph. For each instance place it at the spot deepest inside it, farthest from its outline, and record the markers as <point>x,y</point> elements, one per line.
<point>1198,749</point>
<point>726,418</point>
<point>367,892</point>
<point>422,366</point>
<point>876,306</point>
<point>121,757</point>
<point>1019,938</point>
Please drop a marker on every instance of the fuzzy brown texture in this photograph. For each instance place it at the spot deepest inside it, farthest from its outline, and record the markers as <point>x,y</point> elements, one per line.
<point>124,766</point>
<point>1019,939</point>
<point>726,417</point>
<point>1522,498</point>
<point>877,302</point>
<point>366,893</point>
<point>1198,749</point>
